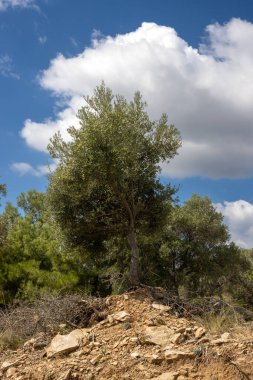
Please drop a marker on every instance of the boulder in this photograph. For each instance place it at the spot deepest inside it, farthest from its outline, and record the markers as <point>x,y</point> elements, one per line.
<point>160,335</point>
<point>62,344</point>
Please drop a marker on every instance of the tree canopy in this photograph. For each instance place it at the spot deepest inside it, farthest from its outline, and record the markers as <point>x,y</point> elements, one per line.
<point>106,183</point>
<point>197,249</point>
<point>2,190</point>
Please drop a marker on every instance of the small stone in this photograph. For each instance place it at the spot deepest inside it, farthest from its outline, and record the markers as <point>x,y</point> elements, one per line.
<point>110,319</point>
<point>121,316</point>
<point>6,365</point>
<point>177,338</point>
<point>173,355</point>
<point>156,359</point>
<point>29,343</point>
<point>108,301</point>
<point>124,342</point>
<point>181,330</point>
<point>10,371</point>
<point>65,375</point>
<point>160,307</point>
<point>95,359</point>
<point>200,332</point>
<point>223,339</point>
<point>166,376</point>
<point>135,355</point>
<point>77,354</point>
<point>225,336</point>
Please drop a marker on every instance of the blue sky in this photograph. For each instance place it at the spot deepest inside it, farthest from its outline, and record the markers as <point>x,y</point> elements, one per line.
<point>192,59</point>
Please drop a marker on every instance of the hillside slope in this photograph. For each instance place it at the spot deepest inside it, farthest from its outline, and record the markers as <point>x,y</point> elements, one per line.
<point>140,338</point>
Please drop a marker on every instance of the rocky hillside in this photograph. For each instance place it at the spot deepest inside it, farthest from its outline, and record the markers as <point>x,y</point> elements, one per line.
<point>139,337</point>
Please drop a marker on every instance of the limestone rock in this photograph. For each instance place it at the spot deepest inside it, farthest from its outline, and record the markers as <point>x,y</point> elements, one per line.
<point>96,359</point>
<point>156,359</point>
<point>166,376</point>
<point>37,343</point>
<point>223,339</point>
<point>160,307</point>
<point>200,332</point>
<point>62,344</point>
<point>159,335</point>
<point>11,371</point>
<point>66,375</point>
<point>173,355</point>
<point>6,365</point>
<point>135,355</point>
<point>177,338</point>
<point>121,316</point>
<point>29,343</point>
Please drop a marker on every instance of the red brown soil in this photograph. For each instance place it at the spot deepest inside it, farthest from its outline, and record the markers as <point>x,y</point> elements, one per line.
<point>108,354</point>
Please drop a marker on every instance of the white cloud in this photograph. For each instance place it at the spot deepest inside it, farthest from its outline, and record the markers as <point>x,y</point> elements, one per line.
<point>42,40</point>
<point>23,168</point>
<point>74,42</point>
<point>5,4</point>
<point>37,135</point>
<point>238,216</point>
<point>6,67</point>
<point>206,92</point>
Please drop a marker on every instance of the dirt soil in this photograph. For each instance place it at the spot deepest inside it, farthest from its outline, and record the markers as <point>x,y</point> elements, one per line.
<point>122,347</point>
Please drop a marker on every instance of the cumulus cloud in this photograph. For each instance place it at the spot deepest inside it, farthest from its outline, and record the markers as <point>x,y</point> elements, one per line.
<point>6,67</point>
<point>206,92</point>
<point>5,4</point>
<point>238,216</point>
<point>23,168</point>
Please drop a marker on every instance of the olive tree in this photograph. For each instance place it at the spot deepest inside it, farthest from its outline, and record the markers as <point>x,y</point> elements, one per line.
<point>106,183</point>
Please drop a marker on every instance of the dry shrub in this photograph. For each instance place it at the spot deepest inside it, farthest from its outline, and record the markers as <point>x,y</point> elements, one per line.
<point>20,323</point>
<point>219,322</point>
<point>243,331</point>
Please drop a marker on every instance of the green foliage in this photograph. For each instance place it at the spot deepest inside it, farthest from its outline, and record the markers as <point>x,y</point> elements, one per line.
<point>104,198</point>
<point>3,189</point>
<point>196,248</point>
<point>31,258</point>
<point>106,183</point>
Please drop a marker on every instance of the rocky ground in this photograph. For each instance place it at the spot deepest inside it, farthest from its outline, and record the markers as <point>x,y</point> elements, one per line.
<point>140,338</point>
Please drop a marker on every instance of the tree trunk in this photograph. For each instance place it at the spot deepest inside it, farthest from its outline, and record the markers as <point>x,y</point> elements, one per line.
<point>174,273</point>
<point>134,264</point>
